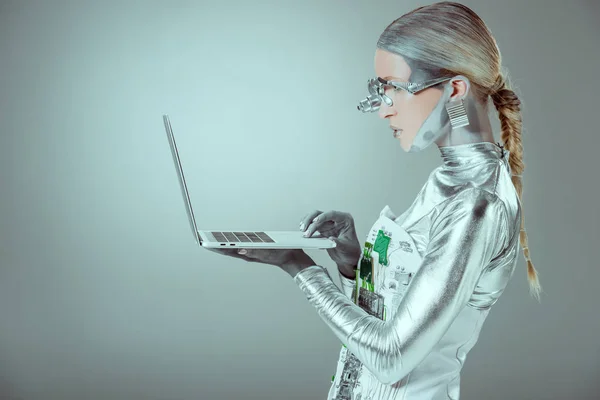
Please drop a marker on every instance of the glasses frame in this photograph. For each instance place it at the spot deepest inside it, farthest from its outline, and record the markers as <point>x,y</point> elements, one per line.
<point>412,87</point>
<point>377,88</point>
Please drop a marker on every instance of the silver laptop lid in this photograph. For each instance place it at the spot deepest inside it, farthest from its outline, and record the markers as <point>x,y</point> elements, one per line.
<point>184,191</point>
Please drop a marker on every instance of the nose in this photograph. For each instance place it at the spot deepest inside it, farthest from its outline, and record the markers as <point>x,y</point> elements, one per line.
<point>386,111</point>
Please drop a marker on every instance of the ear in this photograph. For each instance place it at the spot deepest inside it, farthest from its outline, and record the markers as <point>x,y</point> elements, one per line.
<point>461,87</point>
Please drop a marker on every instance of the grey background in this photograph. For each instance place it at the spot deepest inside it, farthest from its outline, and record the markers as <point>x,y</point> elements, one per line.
<point>103,291</point>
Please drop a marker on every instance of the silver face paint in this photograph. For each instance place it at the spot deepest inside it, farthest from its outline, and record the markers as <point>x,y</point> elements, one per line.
<point>437,123</point>
<point>437,126</point>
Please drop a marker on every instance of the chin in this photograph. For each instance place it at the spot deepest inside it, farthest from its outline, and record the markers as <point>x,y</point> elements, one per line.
<point>405,146</point>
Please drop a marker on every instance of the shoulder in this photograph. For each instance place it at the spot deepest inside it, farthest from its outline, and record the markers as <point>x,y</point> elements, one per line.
<point>472,202</point>
<point>472,215</point>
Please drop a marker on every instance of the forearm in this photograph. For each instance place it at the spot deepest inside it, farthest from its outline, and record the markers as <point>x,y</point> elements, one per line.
<point>347,272</point>
<point>299,262</point>
<point>296,265</point>
<point>365,336</point>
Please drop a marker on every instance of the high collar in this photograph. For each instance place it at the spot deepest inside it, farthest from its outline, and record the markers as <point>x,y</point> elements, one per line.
<point>471,154</point>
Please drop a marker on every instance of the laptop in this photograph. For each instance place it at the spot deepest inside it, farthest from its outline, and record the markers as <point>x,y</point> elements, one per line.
<point>219,238</point>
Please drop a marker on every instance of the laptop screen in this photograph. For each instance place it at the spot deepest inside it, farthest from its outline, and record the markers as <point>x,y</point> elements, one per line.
<point>184,191</point>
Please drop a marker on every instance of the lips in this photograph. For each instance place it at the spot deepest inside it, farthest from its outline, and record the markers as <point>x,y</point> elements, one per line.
<point>396,131</point>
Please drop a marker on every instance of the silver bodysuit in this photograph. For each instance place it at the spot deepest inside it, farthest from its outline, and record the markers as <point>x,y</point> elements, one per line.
<point>464,226</point>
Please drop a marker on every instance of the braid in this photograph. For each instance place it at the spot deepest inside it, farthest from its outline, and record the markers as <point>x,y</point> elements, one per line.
<point>509,112</point>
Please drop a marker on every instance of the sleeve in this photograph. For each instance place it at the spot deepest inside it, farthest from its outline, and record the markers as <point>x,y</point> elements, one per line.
<point>347,284</point>
<point>464,237</point>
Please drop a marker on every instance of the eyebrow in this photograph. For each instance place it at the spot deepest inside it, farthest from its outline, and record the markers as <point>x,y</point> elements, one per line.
<point>391,78</point>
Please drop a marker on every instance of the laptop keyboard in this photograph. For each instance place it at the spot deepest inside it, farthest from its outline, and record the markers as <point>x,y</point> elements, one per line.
<point>242,237</point>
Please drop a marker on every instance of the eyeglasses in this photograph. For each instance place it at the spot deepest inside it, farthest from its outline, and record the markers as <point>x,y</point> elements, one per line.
<point>377,88</point>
